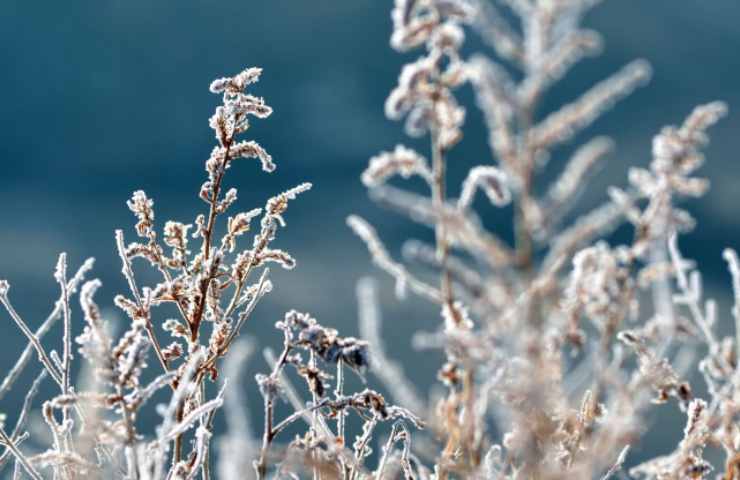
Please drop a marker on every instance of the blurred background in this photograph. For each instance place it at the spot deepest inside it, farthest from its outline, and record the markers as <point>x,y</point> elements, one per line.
<point>98,99</point>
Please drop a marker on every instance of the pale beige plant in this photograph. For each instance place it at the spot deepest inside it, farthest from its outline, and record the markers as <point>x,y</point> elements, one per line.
<point>538,381</point>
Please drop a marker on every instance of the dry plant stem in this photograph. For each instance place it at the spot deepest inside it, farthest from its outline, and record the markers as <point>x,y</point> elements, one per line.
<point>61,275</point>
<point>368,430</point>
<point>168,278</point>
<point>26,410</point>
<point>43,357</point>
<point>733,264</point>
<point>523,239</point>
<point>692,302</point>
<point>214,201</point>
<point>468,421</point>
<point>238,291</point>
<point>36,343</point>
<point>438,200</point>
<point>314,416</point>
<point>25,463</point>
<point>338,393</point>
<point>618,464</point>
<point>67,355</point>
<point>527,159</point>
<point>127,271</point>
<point>236,298</point>
<point>268,434</point>
<point>207,239</point>
<point>300,412</point>
<point>177,442</point>
<point>523,231</point>
<point>206,468</point>
<point>291,395</point>
<point>15,372</point>
<point>25,356</point>
<point>7,454</point>
<point>267,437</point>
<point>387,451</point>
<point>132,466</point>
<point>129,274</point>
<point>287,421</point>
<point>20,424</point>
<point>243,316</point>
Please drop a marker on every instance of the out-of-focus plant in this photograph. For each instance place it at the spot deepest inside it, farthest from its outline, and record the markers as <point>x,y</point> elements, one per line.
<point>538,381</point>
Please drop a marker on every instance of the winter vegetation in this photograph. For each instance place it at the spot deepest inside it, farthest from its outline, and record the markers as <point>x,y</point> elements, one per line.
<point>557,346</point>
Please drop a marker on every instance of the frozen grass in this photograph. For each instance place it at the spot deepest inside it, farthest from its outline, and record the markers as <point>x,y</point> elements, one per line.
<point>557,346</point>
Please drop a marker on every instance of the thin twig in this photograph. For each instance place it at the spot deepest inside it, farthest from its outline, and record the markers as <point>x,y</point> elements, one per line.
<point>269,401</point>
<point>25,463</point>
<point>128,273</point>
<point>43,357</point>
<point>16,435</point>
<point>25,356</point>
<point>207,239</point>
<point>61,275</point>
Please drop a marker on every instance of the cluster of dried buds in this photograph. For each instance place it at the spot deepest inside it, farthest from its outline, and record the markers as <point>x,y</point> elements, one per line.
<point>325,342</point>
<point>676,155</point>
<point>320,449</point>
<point>303,332</point>
<point>424,90</point>
<point>601,286</point>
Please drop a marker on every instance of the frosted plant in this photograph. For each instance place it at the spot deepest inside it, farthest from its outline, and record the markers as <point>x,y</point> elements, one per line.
<point>557,346</point>
<point>95,431</point>
<point>537,335</point>
<point>322,450</point>
<point>214,286</point>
